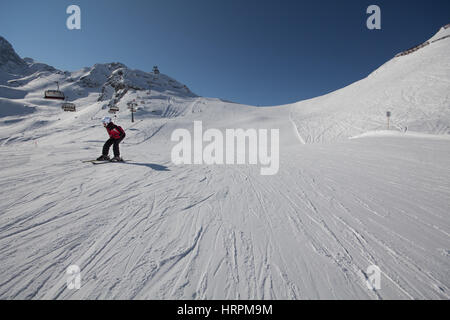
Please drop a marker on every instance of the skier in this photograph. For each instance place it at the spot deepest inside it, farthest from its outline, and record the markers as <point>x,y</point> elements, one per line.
<point>116,135</point>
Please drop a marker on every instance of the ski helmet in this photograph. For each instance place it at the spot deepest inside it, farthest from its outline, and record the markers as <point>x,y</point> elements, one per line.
<point>106,120</point>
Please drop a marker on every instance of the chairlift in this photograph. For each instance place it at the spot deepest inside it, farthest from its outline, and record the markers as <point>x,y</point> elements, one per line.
<point>69,107</point>
<point>155,70</point>
<point>113,109</point>
<point>54,94</point>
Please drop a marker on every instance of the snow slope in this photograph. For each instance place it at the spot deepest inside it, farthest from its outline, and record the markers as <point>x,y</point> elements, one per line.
<point>148,229</point>
<point>415,88</point>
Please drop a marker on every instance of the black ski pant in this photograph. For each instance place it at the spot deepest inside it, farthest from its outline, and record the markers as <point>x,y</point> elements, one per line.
<point>108,144</point>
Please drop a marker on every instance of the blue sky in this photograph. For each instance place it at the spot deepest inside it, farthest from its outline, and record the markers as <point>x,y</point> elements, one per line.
<point>247,51</point>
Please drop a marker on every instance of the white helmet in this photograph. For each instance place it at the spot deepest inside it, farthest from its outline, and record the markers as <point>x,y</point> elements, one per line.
<point>106,120</point>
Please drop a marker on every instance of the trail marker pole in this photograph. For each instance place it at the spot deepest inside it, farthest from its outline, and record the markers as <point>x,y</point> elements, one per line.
<point>388,115</point>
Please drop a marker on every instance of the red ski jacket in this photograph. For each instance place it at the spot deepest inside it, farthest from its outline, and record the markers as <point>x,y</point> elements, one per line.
<point>115,132</point>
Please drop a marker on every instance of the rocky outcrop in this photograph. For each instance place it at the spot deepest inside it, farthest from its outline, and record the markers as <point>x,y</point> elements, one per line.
<point>9,59</point>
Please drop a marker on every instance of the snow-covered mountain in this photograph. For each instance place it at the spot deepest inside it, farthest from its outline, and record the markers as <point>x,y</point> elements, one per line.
<point>149,229</point>
<point>15,71</point>
<point>27,80</point>
<point>414,86</point>
<point>10,62</point>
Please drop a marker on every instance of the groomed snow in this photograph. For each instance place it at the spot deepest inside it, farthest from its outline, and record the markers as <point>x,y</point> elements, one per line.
<point>148,229</point>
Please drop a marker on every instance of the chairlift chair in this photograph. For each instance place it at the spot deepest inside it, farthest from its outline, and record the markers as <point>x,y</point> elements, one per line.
<point>113,109</point>
<point>54,94</point>
<point>69,107</point>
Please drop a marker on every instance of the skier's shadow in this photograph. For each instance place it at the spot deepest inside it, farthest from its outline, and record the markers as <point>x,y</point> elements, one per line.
<point>153,166</point>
